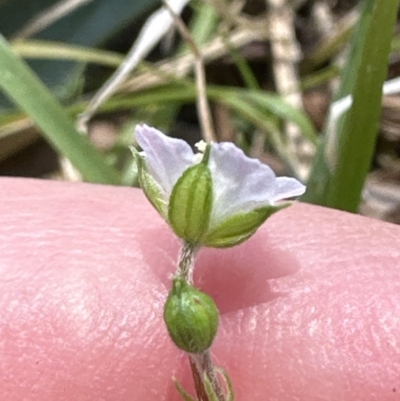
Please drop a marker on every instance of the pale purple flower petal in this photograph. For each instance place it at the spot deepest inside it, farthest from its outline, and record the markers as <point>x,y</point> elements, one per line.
<point>286,187</point>
<point>166,158</point>
<point>242,184</point>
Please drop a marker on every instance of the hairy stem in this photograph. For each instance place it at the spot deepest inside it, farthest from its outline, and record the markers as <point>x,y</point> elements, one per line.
<point>186,262</point>
<point>202,366</point>
<point>198,379</point>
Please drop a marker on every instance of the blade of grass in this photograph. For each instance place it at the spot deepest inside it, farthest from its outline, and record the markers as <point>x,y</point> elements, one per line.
<point>242,65</point>
<point>344,158</point>
<point>203,23</point>
<point>280,107</point>
<point>25,89</point>
<point>49,50</point>
<point>322,76</point>
<point>331,45</point>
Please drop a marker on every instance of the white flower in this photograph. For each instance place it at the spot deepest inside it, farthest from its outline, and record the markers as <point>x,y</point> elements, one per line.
<point>240,185</point>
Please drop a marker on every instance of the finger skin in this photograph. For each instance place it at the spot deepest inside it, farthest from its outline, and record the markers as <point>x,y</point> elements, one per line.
<point>310,305</point>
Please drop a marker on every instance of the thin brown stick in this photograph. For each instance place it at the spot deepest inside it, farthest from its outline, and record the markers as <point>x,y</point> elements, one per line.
<point>286,54</point>
<point>203,107</point>
<point>180,66</point>
<point>48,17</point>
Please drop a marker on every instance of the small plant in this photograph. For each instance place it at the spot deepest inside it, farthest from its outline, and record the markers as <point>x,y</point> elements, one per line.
<point>216,198</point>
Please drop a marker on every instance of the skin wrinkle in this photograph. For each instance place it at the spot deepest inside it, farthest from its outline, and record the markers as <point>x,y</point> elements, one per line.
<point>296,303</point>
<point>327,253</point>
<point>90,291</point>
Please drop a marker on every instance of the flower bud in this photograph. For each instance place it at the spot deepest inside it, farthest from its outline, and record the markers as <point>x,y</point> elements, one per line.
<point>190,204</point>
<point>191,317</point>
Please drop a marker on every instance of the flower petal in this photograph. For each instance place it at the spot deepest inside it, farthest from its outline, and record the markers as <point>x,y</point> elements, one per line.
<point>242,184</point>
<point>286,187</point>
<point>166,158</point>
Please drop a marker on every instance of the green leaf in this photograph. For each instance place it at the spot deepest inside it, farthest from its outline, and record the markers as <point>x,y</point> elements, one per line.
<point>283,109</point>
<point>190,204</point>
<point>267,102</point>
<point>344,158</point>
<point>49,50</point>
<point>88,25</point>
<point>25,89</point>
<point>240,227</point>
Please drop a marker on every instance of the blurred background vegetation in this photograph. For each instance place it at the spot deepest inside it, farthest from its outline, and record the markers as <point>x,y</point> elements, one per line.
<point>295,83</point>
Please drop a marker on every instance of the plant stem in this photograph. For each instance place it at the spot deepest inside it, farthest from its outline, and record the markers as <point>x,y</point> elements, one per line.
<point>186,262</point>
<point>197,378</point>
<point>209,369</point>
<point>201,364</point>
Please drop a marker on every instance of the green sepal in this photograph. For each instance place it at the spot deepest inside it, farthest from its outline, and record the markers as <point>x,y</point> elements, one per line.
<point>151,188</point>
<point>191,317</point>
<point>182,392</point>
<point>239,227</point>
<point>228,383</point>
<point>212,396</point>
<point>190,204</point>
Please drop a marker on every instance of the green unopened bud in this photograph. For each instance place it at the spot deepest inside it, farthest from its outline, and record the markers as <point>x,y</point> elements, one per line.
<point>191,317</point>
<point>190,203</point>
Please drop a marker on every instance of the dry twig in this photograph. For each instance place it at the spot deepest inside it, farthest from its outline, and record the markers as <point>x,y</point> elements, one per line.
<point>49,16</point>
<point>168,70</point>
<point>203,107</point>
<point>286,55</point>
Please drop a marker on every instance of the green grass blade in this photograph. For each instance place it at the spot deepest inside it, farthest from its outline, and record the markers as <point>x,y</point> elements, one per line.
<point>25,89</point>
<point>204,23</point>
<point>280,107</point>
<point>49,50</point>
<point>344,159</point>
